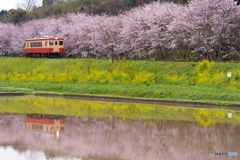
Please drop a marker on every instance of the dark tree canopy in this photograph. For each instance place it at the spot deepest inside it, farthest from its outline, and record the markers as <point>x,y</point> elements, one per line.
<point>3,12</point>
<point>18,15</point>
<point>238,1</point>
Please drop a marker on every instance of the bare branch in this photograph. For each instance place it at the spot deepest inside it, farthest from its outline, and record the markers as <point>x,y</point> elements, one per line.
<point>29,4</point>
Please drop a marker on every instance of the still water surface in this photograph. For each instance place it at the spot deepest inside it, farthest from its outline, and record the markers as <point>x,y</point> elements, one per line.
<point>112,136</point>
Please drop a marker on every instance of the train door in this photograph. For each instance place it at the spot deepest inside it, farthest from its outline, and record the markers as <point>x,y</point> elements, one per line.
<point>56,46</point>
<point>45,47</point>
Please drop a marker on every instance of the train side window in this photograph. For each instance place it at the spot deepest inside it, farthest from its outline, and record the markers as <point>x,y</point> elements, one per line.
<point>52,129</point>
<point>45,43</point>
<point>56,43</point>
<point>61,43</point>
<point>50,43</point>
<point>28,44</point>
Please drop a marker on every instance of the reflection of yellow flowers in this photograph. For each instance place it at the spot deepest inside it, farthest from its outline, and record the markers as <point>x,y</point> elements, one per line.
<point>206,117</point>
<point>80,108</point>
<point>203,117</point>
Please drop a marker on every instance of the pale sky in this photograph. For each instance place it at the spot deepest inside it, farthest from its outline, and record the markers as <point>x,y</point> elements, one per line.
<point>12,4</point>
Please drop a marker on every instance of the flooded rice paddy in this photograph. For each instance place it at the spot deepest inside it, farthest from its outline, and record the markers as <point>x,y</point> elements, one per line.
<point>44,128</point>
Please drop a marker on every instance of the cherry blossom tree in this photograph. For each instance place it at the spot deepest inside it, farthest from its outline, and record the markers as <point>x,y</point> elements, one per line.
<point>106,35</point>
<point>134,33</point>
<point>205,26</point>
<point>6,31</point>
<point>164,31</point>
<point>77,30</point>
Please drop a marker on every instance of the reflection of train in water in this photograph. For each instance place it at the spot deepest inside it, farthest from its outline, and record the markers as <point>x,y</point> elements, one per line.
<point>53,124</point>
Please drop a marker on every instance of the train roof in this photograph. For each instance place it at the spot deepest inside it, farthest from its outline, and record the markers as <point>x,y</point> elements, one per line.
<point>43,38</point>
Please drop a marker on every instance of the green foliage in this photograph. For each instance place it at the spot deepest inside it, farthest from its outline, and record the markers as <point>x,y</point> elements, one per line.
<point>3,12</point>
<point>129,67</point>
<point>17,16</point>
<point>47,2</point>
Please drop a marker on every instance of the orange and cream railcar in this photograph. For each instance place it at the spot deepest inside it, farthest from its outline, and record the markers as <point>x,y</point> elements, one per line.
<point>47,46</point>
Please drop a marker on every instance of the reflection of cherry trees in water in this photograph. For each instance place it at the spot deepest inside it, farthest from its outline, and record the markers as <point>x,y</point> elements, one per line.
<point>137,139</point>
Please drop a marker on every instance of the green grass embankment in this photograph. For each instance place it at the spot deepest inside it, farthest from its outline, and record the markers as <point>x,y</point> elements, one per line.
<point>186,81</point>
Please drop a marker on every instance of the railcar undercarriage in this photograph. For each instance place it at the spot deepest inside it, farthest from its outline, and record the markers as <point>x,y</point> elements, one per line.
<point>47,55</point>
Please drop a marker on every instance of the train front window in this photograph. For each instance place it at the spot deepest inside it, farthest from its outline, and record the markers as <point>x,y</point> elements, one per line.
<point>50,43</point>
<point>56,43</point>
<point>61,43</point>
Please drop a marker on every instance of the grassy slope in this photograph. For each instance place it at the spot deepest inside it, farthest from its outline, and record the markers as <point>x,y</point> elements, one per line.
<point>163,90</point>
<point>222,96</point>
